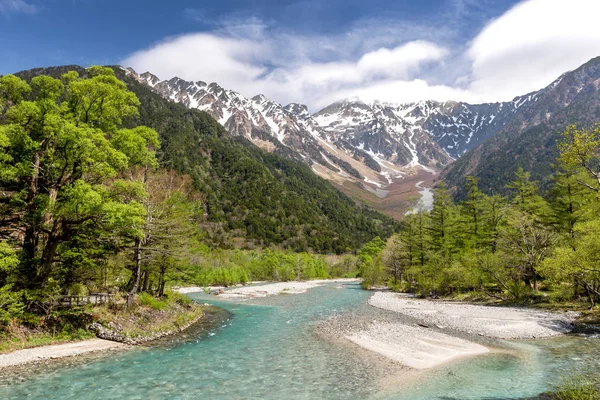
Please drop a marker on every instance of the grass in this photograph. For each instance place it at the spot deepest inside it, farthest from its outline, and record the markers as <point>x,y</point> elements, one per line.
<point>16,337</point>
<point>146,318</point>
<point>581,386</point>
<point>149,315</point>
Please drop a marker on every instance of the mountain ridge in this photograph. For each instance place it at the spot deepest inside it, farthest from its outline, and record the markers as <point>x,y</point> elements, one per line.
<point>370,145</point>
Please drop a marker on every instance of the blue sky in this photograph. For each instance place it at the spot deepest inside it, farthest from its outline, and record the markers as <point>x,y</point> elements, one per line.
<point>50,32</point>
<point>314,51</point>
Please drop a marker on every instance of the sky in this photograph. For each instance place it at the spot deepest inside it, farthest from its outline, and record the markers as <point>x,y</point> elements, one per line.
<point>315,52</point>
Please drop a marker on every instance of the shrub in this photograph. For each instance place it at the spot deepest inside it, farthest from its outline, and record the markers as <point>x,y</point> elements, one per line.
<point>11,304</point>
<point>146,299</point>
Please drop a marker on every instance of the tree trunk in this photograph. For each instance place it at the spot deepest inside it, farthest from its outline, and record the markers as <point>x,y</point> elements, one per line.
<point>49,253</point>
<point>161,278</point>
<point>145,275</point>
<point>32,233</point>
<point>137,258</point>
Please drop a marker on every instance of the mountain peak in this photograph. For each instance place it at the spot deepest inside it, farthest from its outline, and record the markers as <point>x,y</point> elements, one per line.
<point>150,79</point>
<point>297,109</point>
<point>260,98</point>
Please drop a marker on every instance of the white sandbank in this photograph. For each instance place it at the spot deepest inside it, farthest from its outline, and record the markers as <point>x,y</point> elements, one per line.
<point>414,347</point>
<point>264,290</point>
<point>37,354</point>
<point>488,321</point>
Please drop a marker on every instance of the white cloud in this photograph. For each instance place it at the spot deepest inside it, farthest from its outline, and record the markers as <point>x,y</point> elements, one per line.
<point>241,64</point>
<point>531,45</point>
<point>523,50</point>
<point>16,6</point>
<point>203,57</point>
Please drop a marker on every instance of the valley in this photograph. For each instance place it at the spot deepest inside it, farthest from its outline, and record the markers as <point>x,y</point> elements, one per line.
<point>371,151</point>
<point>300,200</point>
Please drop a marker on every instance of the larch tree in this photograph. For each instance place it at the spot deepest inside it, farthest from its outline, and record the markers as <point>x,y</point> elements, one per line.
<point>580,148</point>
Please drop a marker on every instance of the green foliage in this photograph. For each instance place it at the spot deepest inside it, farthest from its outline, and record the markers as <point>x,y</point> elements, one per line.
<point>581,386</point>
<point>253,197</point>
<point>503,248</point>
<point>370,263</point>
<point>11,304</point>
<point>62,147</point>
<point>146,299</point>
<point>230,267</point>
<point>578,265</point>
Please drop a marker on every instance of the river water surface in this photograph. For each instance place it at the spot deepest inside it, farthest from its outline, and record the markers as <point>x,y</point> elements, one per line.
<point>270,351</point>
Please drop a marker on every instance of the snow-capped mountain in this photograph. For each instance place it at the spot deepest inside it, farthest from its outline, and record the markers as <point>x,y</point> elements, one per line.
<point>532,127</point>
<point>371,144</point>
<point>381,149</point>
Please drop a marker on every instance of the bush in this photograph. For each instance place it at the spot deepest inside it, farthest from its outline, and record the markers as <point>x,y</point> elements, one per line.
<point>11,304</point>
<point>146,299</point>
<point>177,298</point>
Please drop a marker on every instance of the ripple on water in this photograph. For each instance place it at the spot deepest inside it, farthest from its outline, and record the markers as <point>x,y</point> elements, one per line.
<point>269,350</point>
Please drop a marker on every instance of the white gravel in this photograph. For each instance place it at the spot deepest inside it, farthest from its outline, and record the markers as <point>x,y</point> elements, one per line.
<point>264,290</point>
<point>489,321</point>
<point>270,289</point>
<point>36,354</point>
<point>413,346</point>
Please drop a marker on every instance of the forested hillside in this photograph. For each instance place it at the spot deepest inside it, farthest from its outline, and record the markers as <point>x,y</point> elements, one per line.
<point>524,246</point>
<point>530,140</point>
<point>251,197</point>
<point>109,194</point>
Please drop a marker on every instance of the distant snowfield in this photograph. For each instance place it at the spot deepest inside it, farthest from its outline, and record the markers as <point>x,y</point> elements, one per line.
<point>425,203</point>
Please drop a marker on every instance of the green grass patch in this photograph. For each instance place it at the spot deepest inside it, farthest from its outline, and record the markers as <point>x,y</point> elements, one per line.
<point>580,386</point>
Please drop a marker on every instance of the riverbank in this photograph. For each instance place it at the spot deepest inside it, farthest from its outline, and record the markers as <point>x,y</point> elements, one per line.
<point>100,328</point>
<point>262,289</point>
<point>147,320</point>
<point>53,352</point>
<point>489,321</point>
<point>424,334</point>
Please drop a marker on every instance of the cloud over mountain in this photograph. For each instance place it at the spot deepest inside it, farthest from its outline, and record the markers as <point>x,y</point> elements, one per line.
<point>521,50</point>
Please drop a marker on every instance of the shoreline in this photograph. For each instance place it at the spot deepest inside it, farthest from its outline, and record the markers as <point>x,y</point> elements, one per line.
<point>413,334</point>
<point>419,335</point>
<point>496,322</point>
<point>263,289</point>
<point>107,340</point>
<point>58,351</point>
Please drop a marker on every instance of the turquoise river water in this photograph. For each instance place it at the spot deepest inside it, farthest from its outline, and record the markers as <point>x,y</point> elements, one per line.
<point>271,352</point>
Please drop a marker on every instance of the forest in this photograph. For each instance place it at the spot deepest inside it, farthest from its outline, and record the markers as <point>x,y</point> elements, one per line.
<point>103,190</point>
<point>105,187</point>
<point>531,246</point>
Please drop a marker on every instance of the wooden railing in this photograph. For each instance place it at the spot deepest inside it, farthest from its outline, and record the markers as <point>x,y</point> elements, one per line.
<point>92,298</point>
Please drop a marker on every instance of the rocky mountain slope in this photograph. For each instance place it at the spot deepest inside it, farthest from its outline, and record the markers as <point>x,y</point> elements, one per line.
<point>372,146</point>
<point>249,197</point>
<point>382,148</point>
<point>528,140</point>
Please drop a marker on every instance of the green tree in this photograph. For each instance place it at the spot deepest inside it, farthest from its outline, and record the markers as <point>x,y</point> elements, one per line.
<point>63,156</point>
<point>370,265</point>
<point>569,201</point>
<point>494,212</point>
<point>397,258</point>
<point>579,265</point>
<point>525,244</point>
<point>580,148</point>
<point>442,225</point>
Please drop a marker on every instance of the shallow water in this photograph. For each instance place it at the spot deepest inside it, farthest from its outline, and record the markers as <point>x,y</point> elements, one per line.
<point>270,351</point>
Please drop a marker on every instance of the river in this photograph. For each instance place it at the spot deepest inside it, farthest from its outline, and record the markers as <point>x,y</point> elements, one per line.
<point>270,351</point>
